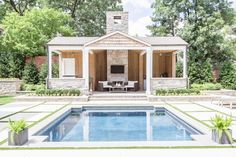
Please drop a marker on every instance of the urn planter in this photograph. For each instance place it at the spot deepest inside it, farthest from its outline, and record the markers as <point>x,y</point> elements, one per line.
<point>18,139</point>
<point>222,138</point>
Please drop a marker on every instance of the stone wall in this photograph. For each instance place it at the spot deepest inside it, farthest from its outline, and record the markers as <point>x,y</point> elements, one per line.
<point>112,26</point>
<point>117,57</point>
<point>9,86</point>
<point>157,83</point>
<point>66,83</point>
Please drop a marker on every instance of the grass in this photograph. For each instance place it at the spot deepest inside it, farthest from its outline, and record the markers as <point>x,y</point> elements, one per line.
<point>6,99</point>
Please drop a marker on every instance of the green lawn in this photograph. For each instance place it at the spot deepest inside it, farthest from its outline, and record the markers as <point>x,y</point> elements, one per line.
<point>6,99</point>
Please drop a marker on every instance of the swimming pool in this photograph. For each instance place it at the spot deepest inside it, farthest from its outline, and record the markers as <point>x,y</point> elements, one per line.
<point>118,124</point>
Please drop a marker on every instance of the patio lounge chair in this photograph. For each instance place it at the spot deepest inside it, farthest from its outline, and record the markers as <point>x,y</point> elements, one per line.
<point>225,99</point>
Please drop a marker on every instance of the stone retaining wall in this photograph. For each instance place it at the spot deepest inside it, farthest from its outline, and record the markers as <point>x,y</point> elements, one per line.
<point>158,83</point>
<point>66,83</point>
<point>9,86</point>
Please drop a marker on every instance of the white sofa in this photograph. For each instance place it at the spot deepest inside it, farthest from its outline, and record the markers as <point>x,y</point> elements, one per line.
<point>132,85</point>
<point>103,85</point>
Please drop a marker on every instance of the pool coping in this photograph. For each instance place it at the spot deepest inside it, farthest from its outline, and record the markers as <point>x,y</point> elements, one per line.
<point>199,140</point>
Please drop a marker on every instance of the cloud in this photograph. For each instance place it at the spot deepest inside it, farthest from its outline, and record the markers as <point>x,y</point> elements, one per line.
<point>138,3</point>
<point>139,27</point>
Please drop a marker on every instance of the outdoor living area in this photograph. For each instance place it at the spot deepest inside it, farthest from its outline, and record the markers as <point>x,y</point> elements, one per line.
<point>117,61</point>
<point>110,64</point>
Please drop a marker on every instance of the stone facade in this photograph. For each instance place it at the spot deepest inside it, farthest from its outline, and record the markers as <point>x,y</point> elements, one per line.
<point>113,25</point>
<point>117,57</point>
<point>9,86</point>
<point>66,83</point>
<point>157,83</point>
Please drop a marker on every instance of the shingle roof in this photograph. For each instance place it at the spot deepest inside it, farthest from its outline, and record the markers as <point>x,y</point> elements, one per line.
<point>71,40</point>
<point>154,41</point>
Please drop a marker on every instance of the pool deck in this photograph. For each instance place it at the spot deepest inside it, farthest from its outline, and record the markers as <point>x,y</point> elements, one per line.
<point>38,114</point>
<point>229,152</point>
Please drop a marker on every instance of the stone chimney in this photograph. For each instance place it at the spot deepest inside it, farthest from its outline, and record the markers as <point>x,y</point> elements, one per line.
<point>117,21</point>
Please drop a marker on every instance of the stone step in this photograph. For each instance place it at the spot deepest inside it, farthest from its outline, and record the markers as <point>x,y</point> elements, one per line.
<point>118,96</point>
<point>117,99</point>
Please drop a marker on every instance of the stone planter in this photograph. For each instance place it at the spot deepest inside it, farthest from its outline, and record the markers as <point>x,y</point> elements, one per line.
<point>225,138</point>
<point>19,139</point>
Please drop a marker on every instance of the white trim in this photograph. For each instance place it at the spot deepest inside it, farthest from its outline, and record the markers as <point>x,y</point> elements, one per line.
<point>185,75</point>
<point>117,48</point>
<point>49,63</point>
<point>148,70</point>
<point>143,53</point>
<point>60,64</point>
<point>64,47</point>
<point>86,67</point>
<point>117,32</point>
<point>169,47</point>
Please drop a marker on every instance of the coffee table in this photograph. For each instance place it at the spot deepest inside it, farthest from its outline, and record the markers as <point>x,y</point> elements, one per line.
<point>118,89</point>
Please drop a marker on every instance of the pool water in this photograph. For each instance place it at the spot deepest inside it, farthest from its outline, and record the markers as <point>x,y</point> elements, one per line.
<point>119,125</point>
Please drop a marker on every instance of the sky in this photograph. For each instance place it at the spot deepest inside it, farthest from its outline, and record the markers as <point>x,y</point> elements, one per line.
<point>139,15</point>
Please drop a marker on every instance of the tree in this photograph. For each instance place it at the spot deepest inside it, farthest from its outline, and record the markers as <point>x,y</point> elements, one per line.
<point>89,16</point>
<point>3,10</point>
<point>16,64</point>
<point>20,6</point>
<point>44,72</point>
<point>228,75</point>
<point>165,18</point>
<point>29,33</point>
<point>200,72</point>
<point>31,75</point>
<point>203,21</point>
<point>4,65</point>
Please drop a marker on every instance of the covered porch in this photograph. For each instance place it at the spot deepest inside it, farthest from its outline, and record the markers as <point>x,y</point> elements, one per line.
<point>152,66</point>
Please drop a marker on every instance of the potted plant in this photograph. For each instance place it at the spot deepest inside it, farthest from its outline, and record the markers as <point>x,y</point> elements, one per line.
<point>220,131</point>
<point>18,134</point>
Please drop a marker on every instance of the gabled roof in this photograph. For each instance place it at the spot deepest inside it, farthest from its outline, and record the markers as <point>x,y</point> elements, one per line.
<point>156,41</point>
<point>119,33</point>
<point>83,41</point>
<point>80,41</point>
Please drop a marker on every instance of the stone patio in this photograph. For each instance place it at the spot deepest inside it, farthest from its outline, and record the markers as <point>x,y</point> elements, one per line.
<point>33,112</point>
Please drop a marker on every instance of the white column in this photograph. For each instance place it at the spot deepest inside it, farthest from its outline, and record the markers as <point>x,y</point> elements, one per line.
<point>148,70</point>
<point>185,63</point>
<point>49,63</point>
<point>60,64</point>
<point>86,67</point>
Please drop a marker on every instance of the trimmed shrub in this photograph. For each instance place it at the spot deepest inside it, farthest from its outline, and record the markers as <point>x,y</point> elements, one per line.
<point>177,92</point>
<point>58,92</point>
<point>228,75</point>
<point>32,87</point>
<point>44,72</point>
<point>200,72</point>
<point>207,86</point>
<point>179,69</point>
<point>4,65</point>
<point>30,74</point>
<point>16,63</point>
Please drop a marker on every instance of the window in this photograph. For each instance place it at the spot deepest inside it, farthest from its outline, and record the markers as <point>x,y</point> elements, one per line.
<point>117,19</point>
<point>68,67</point>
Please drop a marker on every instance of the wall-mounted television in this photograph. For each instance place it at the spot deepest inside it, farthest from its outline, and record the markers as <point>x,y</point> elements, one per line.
<point>117,69</point>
